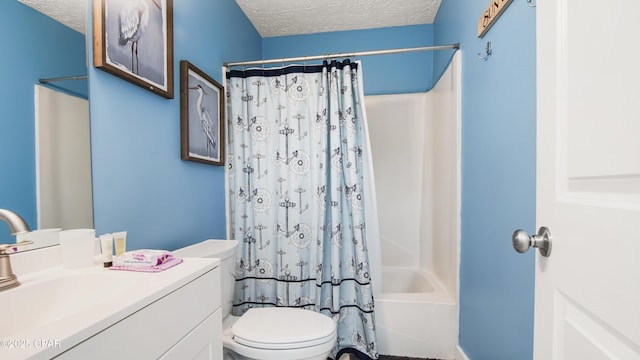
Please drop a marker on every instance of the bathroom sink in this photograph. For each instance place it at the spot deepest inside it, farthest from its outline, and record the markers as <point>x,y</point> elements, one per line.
<point>54,309</point>
<point>49,296</point>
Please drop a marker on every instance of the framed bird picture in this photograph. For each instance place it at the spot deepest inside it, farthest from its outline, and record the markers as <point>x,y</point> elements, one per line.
<point>201,116</point>
<point>133,39</point>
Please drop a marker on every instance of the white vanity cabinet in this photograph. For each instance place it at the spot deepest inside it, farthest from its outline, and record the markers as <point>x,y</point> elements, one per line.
<point>183,324</point>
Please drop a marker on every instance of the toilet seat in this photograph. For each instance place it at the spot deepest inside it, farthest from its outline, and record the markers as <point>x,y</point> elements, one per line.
<point>283,329</point>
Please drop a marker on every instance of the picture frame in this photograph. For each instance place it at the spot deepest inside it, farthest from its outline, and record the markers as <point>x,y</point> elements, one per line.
<point>133,39</point>
<point>202,103</point>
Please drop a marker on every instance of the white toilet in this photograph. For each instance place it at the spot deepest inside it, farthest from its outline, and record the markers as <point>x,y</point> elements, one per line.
<point>264,333</point>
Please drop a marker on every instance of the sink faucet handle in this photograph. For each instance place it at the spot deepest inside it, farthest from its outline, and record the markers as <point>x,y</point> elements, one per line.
<point>5,247</point>
<point>8,279</point>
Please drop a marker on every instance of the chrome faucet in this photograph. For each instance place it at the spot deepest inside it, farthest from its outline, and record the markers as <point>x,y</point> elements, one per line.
<point>17,225</point>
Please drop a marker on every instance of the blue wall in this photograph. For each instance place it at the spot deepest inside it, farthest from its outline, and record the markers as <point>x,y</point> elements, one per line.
<point>388,74</point>
<point>34,46</point>
<point>142,186</point>
<point>498,177</point>
<point>498,153</point>
<point>140,183</point>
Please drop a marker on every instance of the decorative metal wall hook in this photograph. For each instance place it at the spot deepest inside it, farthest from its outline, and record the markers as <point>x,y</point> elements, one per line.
<point>487,50</point>
<point>530,3</point>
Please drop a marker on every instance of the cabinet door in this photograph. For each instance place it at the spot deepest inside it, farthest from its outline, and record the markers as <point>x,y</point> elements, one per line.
<point>152,331</point>
<point>202,343</point>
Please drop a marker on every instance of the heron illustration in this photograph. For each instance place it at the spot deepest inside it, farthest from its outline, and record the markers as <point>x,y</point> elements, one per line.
<point>134,20</point>
<point>205,120</point>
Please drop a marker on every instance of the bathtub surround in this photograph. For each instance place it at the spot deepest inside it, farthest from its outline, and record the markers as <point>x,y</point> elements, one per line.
<point>417,135</point>
<point>418,319</point>
<point>297,156</point>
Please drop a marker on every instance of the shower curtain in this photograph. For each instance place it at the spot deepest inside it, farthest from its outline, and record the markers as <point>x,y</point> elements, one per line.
<point>295,170</point>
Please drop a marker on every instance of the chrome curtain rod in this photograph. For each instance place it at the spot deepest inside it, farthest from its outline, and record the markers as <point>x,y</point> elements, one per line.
<point>79,77</point>
<point>342,55</point>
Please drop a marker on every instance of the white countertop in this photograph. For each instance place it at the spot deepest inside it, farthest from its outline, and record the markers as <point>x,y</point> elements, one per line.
<point>135,291</point>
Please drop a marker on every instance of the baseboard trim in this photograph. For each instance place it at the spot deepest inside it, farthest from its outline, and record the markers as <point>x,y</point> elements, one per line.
<point>460,355</point>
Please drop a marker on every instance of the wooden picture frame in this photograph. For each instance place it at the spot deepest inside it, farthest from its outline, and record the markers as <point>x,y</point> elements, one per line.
<point>202,103</point>
<point>133,39</point>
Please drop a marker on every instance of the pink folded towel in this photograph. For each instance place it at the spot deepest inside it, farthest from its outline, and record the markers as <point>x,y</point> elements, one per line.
<point>145,261</point>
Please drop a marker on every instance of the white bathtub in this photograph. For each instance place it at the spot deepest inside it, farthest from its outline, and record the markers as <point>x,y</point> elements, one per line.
<point>415,316</point>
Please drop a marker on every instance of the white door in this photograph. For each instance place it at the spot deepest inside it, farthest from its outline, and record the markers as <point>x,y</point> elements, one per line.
<point>588,179</point>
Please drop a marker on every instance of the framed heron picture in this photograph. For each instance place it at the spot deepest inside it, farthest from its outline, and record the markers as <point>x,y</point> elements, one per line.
<point>201,116</point>
<point>133,39</point>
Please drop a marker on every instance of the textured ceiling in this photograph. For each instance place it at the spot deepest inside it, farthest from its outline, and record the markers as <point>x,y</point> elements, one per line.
<point>286,17</point>
<point>294,17</point>
<point>72,13</point>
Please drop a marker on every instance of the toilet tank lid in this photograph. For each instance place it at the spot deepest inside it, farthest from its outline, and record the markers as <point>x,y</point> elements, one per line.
<point>283,326</point>
<point>211,248</point>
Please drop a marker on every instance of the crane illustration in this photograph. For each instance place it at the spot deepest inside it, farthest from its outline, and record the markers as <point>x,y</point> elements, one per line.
<point>205,120</point>
<point>134,20</point>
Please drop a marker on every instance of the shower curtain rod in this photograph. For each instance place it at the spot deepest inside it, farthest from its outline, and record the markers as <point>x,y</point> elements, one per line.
<point>78,77</point>
<point>343,55</point>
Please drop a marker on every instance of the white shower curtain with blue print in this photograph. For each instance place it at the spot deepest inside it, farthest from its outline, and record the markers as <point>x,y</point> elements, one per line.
<point>295,165</point>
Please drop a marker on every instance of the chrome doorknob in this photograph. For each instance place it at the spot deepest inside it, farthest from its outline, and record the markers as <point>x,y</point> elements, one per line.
<point>522,241</point>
